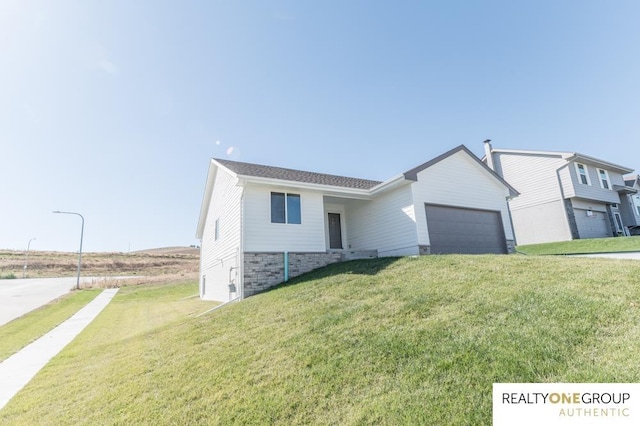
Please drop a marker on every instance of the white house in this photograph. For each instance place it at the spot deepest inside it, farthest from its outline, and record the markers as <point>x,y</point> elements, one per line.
<point>260,225</point>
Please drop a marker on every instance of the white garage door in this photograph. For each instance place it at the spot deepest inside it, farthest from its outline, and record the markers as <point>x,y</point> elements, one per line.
<point>462,230</point>
<point>594,226</point>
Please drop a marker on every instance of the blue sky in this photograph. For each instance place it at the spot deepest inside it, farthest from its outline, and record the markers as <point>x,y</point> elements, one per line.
<point>113,109</point>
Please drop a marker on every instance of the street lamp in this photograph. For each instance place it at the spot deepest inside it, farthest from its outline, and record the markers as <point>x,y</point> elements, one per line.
<point>26,258</point>
<point>80,252</point>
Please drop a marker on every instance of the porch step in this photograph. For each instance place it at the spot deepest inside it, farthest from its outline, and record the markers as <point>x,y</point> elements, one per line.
<point>359,254</point>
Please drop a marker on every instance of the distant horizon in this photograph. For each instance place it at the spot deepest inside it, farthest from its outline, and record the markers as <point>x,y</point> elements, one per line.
<point>31,250</point>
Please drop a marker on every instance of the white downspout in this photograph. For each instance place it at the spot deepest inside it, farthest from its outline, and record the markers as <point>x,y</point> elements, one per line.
<point>241,249</point>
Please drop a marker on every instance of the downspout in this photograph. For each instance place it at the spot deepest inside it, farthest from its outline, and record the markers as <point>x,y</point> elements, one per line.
<point>286,266</point>
<point>241,249</point>
<point>489,156</point>
<point>513,230</point>
<point>573,227</point>
<point>201,272</point>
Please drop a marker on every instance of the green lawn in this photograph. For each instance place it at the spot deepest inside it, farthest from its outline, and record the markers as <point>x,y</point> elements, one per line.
<point>20,332</point>
<point>383,341</point>
<point>592,245</point>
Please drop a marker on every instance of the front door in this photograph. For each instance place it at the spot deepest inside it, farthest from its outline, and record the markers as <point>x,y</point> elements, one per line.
<point>335,231</point>
<point>619,226</point>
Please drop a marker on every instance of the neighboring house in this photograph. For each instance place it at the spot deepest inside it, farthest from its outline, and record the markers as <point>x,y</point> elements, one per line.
<point>563,195</point>
<point>630,204</point>
<point>260,225</point>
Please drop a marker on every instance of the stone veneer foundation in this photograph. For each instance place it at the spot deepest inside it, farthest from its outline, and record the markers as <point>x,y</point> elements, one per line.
<point>265,270</point>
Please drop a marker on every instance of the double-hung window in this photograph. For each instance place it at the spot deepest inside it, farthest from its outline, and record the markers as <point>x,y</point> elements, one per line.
<point>285,208</point>
<point>583,174</point>
<point>604,179</point>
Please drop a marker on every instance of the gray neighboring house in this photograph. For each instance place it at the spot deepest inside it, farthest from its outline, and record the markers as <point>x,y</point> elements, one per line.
<point>564,195</point>
<point>260,225</point>
<point>630,206</point>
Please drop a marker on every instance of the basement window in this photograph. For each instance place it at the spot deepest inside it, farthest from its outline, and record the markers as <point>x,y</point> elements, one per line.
<point>285,208</point>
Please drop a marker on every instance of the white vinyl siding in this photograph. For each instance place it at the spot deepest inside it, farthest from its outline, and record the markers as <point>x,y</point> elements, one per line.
<point>261,235</point>
<point>459,181</point>
<point>597,192</point>
<point>220,255</point>
<point>386,224</point>
<point>541,223</point>
<point>535,177</point>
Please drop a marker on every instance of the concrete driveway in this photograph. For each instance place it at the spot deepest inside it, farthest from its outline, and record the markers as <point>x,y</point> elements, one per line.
<point>629,255</point>
<point>20,296</point>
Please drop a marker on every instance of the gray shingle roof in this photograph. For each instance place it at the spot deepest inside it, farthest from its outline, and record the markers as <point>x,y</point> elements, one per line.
<point>270,172</point>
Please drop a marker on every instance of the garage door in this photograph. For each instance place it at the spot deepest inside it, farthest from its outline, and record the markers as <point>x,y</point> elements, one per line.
<point>595,225</point>
<point>462,230</point>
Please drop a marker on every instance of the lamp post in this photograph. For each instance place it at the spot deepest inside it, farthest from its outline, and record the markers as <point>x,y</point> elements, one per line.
<point>80,252</point>
<point>26,259</point>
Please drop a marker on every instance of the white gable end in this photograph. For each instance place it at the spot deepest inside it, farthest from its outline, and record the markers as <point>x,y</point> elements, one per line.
<point>220,252</point>
<point>461,181</point>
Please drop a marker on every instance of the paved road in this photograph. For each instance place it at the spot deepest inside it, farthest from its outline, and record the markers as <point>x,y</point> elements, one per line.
<point>20,296</point>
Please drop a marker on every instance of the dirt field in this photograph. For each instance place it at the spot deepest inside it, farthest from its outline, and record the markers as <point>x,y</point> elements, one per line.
<point>157,265</point>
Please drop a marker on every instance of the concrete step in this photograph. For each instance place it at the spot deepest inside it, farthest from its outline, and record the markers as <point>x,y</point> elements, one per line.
<point>359,254</point>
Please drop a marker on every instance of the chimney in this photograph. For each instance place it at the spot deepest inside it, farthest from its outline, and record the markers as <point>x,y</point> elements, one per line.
<point>488,154</point>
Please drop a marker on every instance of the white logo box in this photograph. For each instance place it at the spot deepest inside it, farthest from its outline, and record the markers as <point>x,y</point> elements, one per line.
<point>566,404</point>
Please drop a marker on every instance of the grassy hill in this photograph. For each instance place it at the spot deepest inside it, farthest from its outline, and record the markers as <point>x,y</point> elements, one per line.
<point>589,245</point>
<point>384,341</point>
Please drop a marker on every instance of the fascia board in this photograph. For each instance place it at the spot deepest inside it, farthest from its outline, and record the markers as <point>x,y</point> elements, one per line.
<point>339,191</point>
<point>206,199</point>
<point>604,164</point>
<point>390,184</point>
<point>561,154</point>
<point>568,156</point>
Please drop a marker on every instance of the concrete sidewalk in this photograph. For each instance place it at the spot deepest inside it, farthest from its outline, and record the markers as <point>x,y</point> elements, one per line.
<point>621,255</point>
<point>17,370</point>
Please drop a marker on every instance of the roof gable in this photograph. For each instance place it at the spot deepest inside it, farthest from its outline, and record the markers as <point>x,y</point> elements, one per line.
<point>568,156</point>
<point>632,180</point>
<point>413,173</point>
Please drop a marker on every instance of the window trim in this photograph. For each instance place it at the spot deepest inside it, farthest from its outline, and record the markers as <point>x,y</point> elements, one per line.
<point>617,218</point>
<point>636,203</point>
<point>602,182</point>
<point>586,174</point>
<point>287,216</point>
<point>216,230</point>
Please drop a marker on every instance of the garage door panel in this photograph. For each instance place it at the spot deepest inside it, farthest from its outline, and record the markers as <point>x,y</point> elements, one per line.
<point>594,226</point>
<point>461,230</point>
